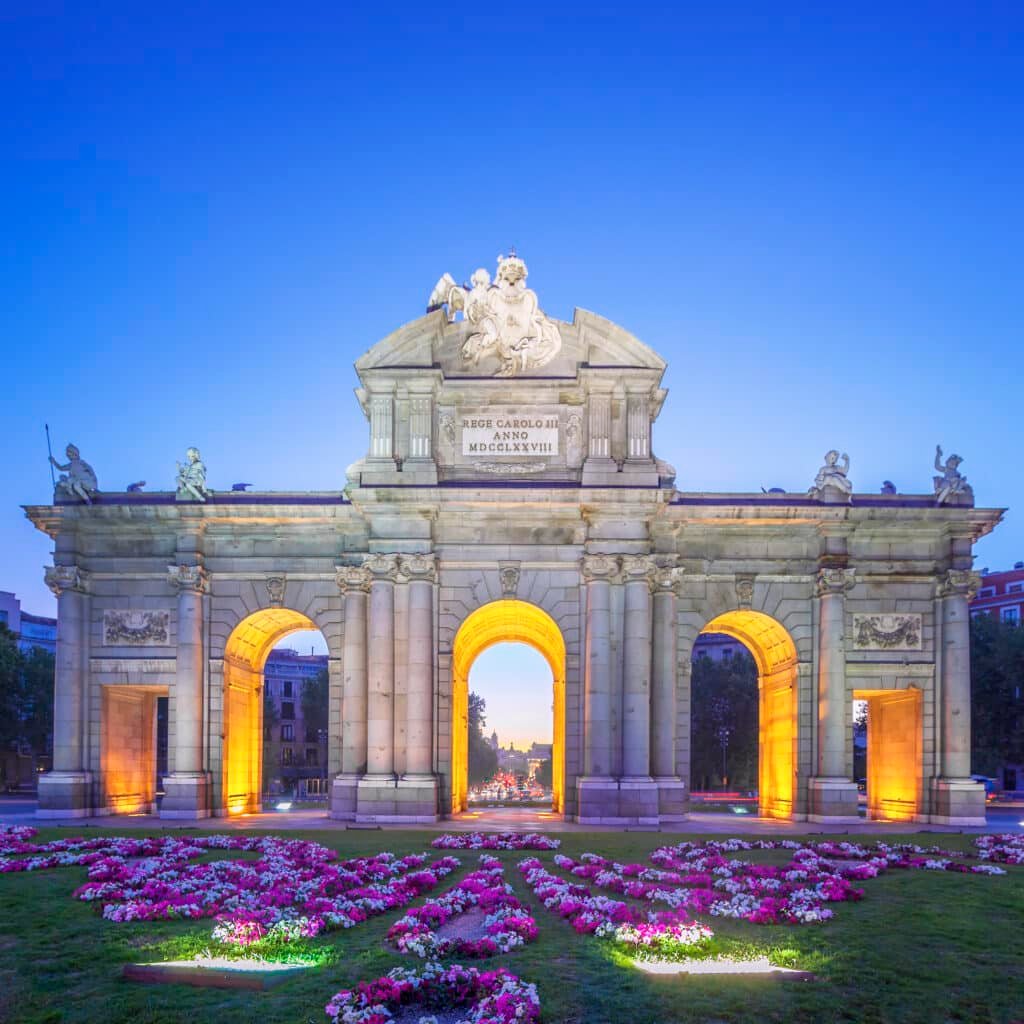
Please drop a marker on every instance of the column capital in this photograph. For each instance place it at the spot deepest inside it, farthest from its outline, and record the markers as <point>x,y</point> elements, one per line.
<point>598,568</point>
<point>188,578</point>
<point>418,567</point>
<point>61,578</point>
<point>382,567</point>
<point>352,578</point>
<point>834,581</point>
<point>666,579</point>
<point>638,569</point>
<point>958,583</point>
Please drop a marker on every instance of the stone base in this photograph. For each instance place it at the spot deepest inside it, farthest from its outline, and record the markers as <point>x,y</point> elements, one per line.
<point>64,795</point>
<point>832,801</point>
<point>344,794</point>
<point>672,799</point>
<point>387,800</point>
<point>617,802</point>
<point>958,802</point>
<point>186,796</point>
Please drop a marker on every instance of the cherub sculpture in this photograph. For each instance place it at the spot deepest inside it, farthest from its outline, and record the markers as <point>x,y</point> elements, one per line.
<point>833,475</point>
<point>77,479</point>
<point>192,478</point>
<point>952,482</point>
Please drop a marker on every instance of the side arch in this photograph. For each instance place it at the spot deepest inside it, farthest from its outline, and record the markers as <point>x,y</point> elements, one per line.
<point>775,654</point>
<point>502,621</point>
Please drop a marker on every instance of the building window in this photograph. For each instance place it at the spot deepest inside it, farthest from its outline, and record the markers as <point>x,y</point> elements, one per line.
<point>287,692</point>
<point>987,592</point>
<point>287,732</point>
<point>287,709</point>
<point>1015,588</point>
<point>311,757</point>
<point>1012,614</point>
<point>286,755</point>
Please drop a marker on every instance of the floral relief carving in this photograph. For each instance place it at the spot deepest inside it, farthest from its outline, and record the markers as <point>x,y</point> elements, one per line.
<point>887,632</point>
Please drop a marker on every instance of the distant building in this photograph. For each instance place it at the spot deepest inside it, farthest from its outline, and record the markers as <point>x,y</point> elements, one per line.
<point>31,630</point>
<point>717,647</point>
<point>1001,594</point>
<point>294,752</point>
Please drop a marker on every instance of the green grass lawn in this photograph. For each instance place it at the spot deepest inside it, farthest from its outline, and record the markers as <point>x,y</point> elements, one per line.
<point>929,947</point>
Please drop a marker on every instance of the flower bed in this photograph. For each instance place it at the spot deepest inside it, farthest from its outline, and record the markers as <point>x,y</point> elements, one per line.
<point>507,923</point>
<point>495,841</point>
<point>661,935</point>
<point>488,997</point>
<point>295,889</point>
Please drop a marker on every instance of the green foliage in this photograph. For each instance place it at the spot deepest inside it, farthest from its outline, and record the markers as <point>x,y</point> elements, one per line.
<point>483,761</point>
<point>724,705</point>
<point>26,695</point>
<point>544,776</point>
<point>314,701</point>
<point>997,694</point>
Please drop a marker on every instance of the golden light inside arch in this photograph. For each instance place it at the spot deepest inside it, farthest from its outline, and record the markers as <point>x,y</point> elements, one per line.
<point>502,622</point>
<point>245,656</point>
<point>775,654</point>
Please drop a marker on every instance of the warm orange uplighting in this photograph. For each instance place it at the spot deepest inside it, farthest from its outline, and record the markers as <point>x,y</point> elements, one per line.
<point>894,753</point>
<point>128,748</point>
<point>245,655</point>
<point>775,654</point>
<point>495,623</point>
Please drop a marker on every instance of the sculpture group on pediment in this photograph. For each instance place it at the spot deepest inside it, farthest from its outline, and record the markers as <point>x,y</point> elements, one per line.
<point>505,315</point>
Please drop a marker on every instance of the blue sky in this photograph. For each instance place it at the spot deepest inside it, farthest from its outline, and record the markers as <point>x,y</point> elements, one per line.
<point>210,211</point>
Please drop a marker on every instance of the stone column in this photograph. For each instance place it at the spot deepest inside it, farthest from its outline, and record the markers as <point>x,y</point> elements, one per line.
<point>664,691</point>
<point>958,799</point>
<point>417,789</point>
<point>187,789</point>
<point>833,794</point>
<point>636,704</point>
<point>64,791</point>
<point>597,792</point>
<point>354,583</point>
<point>380,719</point>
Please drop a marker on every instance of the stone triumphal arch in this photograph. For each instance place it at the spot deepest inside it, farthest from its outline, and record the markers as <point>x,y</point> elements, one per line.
<point>509,491</point>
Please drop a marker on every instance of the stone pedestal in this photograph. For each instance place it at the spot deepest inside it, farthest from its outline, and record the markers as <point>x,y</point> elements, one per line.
<point>187,796</point>
<point>387,800</point>
<point>597,801</point>
<point>638,801</point>
<point>958,802</point>
<point>672,799</point>
<point>832,801</point>
<point>344,797</point>
<point>64,794</point>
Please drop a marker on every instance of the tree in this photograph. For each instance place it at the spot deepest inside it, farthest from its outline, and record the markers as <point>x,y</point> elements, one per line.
<point>10,686</point>
<point>997,694</point>
<point>543,774</point>
<point>483,760</point>
<point>315,700</point>
<point>37,680</point>
<point>723,731</point>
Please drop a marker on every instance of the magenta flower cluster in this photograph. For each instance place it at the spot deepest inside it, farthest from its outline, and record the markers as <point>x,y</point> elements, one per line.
<point>295,889</point>
<point>507,924</point>
<point>495,841</point>
<point>488,997</point>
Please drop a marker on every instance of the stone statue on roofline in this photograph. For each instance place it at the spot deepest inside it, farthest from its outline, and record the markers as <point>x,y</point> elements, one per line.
<point>832,483</point>
<point>77,479</point>
<point>191,484</point>
<point>952,484</point>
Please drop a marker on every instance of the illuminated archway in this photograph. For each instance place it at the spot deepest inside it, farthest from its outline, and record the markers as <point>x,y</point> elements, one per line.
<point>495,623</point>
<point>893,753</point>
<point>245,656</point>
<point>774,653</point>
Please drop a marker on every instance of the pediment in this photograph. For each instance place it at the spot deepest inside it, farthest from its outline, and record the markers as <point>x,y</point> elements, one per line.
<point>412,345</point>
<point>604,343</point>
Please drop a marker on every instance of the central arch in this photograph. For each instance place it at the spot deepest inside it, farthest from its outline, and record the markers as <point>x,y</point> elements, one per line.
<point>775,654</point>
<point>495,623</point>
<point>245,657</point>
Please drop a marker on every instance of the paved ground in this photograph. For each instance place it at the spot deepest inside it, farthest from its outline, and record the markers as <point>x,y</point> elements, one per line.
<point>21,811</point>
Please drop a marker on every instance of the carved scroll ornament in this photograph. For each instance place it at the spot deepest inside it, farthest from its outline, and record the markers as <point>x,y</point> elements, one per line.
<point>887,632</point>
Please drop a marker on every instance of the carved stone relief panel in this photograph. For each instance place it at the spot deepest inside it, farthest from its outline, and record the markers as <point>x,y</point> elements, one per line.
<point>874,632</point>
<point>127,628</point>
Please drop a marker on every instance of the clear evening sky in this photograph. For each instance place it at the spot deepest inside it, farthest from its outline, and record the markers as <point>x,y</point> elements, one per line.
<point>814,213</point>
